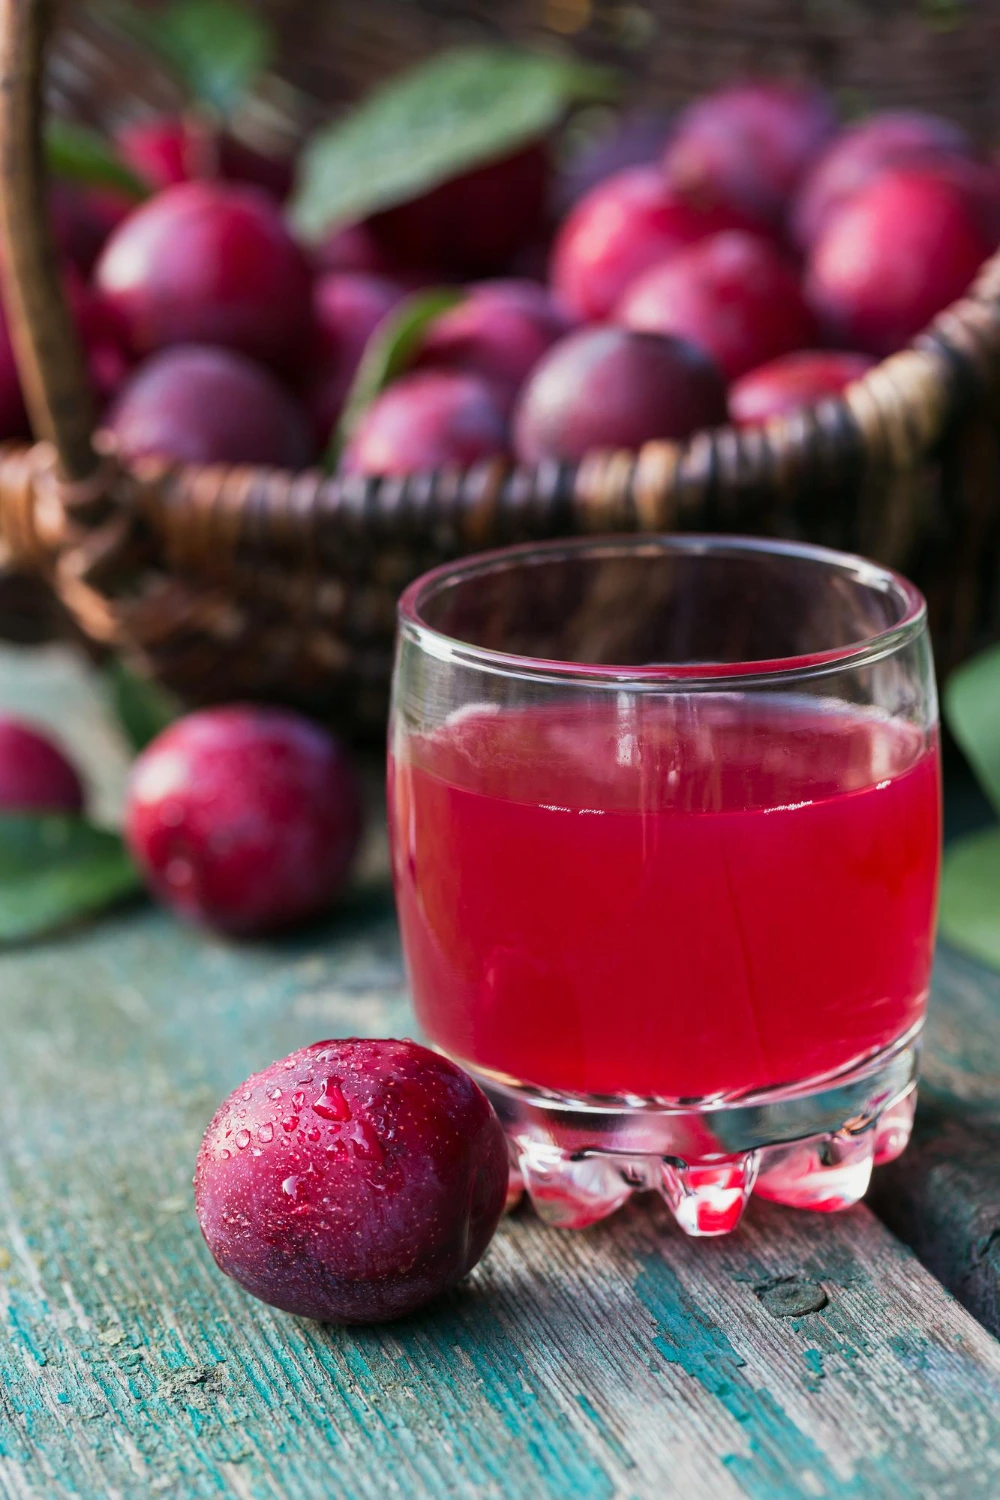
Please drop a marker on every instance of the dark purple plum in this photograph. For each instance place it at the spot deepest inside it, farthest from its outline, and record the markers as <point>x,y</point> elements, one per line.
<point>199,404</point>
<point>613,388</point>
<point>353,1181</point>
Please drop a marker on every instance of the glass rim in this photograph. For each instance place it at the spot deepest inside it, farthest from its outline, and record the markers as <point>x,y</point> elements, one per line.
<point>663,675</point>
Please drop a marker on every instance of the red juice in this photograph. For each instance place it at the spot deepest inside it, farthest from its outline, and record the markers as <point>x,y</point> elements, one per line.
<point>678,899</point>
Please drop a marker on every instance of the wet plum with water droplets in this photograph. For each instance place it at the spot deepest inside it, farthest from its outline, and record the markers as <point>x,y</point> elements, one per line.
<point>388,1198</point>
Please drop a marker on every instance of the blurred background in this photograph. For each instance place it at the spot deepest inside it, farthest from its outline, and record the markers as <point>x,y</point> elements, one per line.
<point>303,299</point>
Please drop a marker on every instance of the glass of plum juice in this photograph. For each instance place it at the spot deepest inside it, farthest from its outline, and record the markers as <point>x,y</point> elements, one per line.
<point>665,818</point>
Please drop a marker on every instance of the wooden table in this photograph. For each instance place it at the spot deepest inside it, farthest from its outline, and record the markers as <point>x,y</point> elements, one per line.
<point>805,1356</point>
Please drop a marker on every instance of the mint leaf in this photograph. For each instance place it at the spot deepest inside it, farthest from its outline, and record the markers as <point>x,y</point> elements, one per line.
<point>460,109</point>
<point>76,154</point>
<point>972,708</point>
<point>390,350</point>
<point>56,869</point>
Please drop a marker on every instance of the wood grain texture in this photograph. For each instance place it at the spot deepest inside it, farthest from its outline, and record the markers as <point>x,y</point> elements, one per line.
<point>943,1196</point>
<point>804,1357</point>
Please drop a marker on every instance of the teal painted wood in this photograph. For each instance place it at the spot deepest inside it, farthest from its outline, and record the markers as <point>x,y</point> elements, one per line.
<point>626,1361</point>
<point>804,1357</point>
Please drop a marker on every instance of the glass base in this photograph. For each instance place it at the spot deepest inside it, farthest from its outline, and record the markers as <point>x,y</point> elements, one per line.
<point>811,1145</point>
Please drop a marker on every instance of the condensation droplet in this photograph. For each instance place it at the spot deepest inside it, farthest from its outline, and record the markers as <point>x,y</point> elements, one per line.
<point>266,1132</point>
<point>242,1138</point>
<point>298,1099</point>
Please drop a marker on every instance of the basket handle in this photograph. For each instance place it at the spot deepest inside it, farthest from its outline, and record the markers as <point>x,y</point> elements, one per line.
<point>44,338</point>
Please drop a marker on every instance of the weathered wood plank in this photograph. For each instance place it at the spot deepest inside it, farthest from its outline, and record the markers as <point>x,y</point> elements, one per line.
<point>943,1196</point>
<point>624,1361</point>
<point>806,1356</point>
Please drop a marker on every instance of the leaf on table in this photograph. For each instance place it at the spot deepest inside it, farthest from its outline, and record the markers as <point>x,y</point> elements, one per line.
<point>143,708</point>
<point>461,109</point>
<point>216,49</point>
<point>76,154</point>
<point>972,708</point>
<point>390,350</point>
<point>56,869</point>
<point>970,896</point>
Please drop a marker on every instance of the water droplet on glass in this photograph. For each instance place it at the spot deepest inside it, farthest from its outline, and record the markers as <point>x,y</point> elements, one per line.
<point>242,1138</point>
<point>266,1132</point>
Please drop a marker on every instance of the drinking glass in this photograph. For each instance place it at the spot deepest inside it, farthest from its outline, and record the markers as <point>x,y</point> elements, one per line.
<point>665,818</point>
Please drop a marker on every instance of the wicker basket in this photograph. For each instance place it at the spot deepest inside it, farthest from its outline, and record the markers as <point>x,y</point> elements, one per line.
<point>246,582</point>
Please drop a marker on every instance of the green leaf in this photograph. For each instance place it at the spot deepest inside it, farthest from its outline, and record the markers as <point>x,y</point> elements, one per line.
<point>55,869</point>
<point>462,108</point>
<point>76,154</point>
<point>390,350</point>
<point>216,49</point>
<point>970,896</point>
<point>972,708</point>
<point>143,708</point>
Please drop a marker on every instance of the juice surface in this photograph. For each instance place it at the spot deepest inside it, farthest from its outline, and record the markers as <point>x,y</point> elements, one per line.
<point>676,900</point>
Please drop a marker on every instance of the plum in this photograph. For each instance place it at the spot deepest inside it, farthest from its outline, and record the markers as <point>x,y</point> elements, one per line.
<point>749,144</point>
<point>353,1181</point>
<point>103,334</point>
<point>244,819</point>
<point>613,388</point>
<point>500,331</point>
<point>347,308</point>
<point>83,219</point>
<point>633,139</point>
<point>735,295</point>
<point>167,149</point>
<point>210,263</point>
<point>792,381</point>
<point>890,138</point>
<point>35,775</point>
<point>198,404</point>
<point>626,224</point>
<point>900,251</point>
<point>473,224</point>
<point>427,419</point>
<point>350,247</point>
